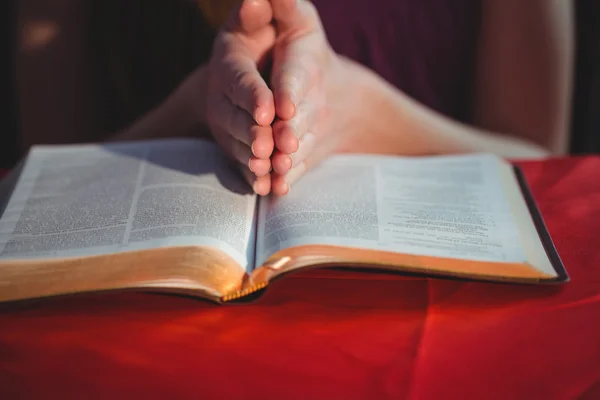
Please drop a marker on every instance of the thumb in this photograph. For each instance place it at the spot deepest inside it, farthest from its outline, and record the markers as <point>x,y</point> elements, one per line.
<point>250,16</point>
<point>295,17</point>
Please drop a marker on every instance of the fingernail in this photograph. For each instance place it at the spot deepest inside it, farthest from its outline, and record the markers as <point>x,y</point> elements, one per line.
<point>252,164</point>
<point>296,142</point>
<point>260,117</point>
<point>257,115</point>
<point>252,148</point>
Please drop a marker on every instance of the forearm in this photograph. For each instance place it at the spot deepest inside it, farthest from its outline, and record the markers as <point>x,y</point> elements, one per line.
<point>400,125</point>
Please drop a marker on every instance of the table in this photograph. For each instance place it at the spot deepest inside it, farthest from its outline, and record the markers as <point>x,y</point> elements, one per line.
<point>327,334</point>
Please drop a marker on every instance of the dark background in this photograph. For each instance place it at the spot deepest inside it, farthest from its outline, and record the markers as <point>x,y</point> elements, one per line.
<point>586,101</point>
<point>8,120</point>
<point>585,134</point>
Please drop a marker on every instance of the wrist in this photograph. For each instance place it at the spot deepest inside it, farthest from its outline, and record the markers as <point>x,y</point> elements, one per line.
<point>390,121</point>
<point>373,112</point>
<point>385,120</point>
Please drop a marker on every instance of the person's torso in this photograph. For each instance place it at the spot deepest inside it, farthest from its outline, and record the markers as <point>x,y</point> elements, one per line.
<point>426,48</point>
<point>143,49</point>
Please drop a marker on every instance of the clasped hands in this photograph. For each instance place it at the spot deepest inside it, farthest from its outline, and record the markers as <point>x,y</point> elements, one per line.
<point>271,83</point>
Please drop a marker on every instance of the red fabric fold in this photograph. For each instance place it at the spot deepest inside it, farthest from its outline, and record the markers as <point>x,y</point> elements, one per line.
<point>319,335</point>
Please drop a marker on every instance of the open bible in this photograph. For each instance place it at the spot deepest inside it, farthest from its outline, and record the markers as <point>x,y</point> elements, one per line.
<point>175,216</point>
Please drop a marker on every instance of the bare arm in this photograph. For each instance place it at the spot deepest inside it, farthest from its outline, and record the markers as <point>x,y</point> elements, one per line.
<point>525,66</point>
<point>522,98</point>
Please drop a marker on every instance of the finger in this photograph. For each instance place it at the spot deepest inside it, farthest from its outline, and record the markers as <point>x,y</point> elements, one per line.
<point>307,147</point>
<point>281,185</point>
<point>289,81</point>
<point>242,153</point>
<point>260,167</point>
<point>251,16</point>
<point>292,15</point>
<point>296,173</point>
<point>304,162</point>
<point>251,167</point>
<point>297,70</point>
<point>241,127</point>
<point>292,74</point>
<point>261,185</point>
<point>287,134</point>
<point>243,84</point>
<point>282,163</point>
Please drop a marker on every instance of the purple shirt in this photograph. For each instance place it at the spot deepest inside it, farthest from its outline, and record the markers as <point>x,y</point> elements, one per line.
<point>424,47</point>
<point>144,49</point>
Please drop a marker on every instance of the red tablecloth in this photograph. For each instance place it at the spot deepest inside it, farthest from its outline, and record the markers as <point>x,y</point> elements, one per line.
<point>342,336</point>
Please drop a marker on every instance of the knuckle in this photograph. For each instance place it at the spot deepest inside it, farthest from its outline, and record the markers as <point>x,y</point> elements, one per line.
<point>227,124</point>
<point>240,86</point>
<point>213,113</point>
<point>240,152</point>
<point>228,119</point>
<point>239,126</point>
<point>234,124</point>
<point>295,124</point>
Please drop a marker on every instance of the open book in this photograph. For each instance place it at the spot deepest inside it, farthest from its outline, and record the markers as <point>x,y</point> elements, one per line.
<point>175,216</point>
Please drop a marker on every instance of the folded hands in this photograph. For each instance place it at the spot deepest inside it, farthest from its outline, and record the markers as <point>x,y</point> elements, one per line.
<point>273,87</point>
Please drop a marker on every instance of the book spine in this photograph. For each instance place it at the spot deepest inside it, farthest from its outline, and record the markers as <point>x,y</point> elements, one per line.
<point>259,279</point>
<point>244,292</point>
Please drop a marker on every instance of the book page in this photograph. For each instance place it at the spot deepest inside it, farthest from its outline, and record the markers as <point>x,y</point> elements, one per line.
<point>99,199</point>
<point>447,206</point>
